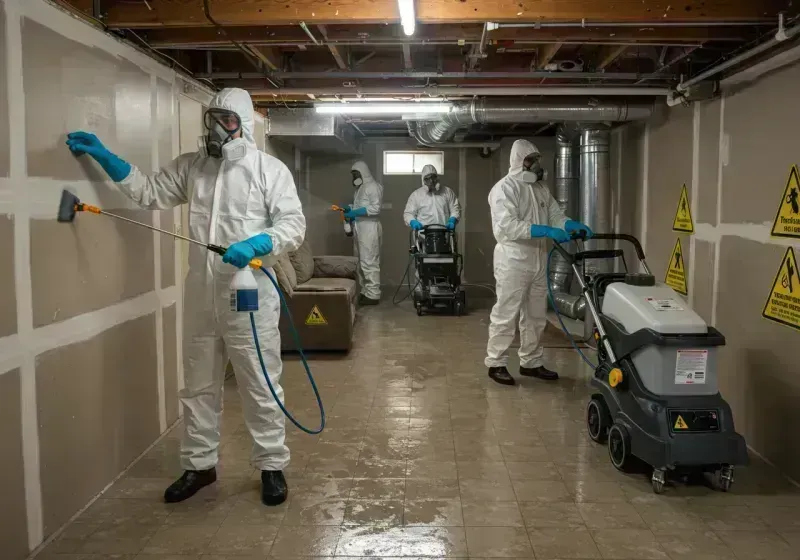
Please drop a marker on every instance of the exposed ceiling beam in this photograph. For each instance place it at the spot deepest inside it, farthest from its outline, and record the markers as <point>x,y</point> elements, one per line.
<point>337,56</point>
<point>546,53</point>
<point>270,56</point>
<point>272,12</point>
<point>408,64</point>
<point>608,55</point>
<point>182,37</point>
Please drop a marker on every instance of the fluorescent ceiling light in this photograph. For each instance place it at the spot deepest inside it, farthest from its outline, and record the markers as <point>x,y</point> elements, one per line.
<point>383,108</point>
<point>399,99</point>
<point>407,16</point>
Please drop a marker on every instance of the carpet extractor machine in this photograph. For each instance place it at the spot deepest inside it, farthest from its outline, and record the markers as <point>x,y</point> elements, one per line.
<point>656,387</point>
<point>438,264</point>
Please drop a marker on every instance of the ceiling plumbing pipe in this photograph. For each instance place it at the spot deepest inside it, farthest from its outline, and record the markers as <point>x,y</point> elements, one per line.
<point>356,75</point>
<point>469,91</point>
<point>413,126</point>
<point>642,24</point>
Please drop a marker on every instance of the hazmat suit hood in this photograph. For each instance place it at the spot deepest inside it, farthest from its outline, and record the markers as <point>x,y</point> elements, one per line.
<point>240,102</point>
<point>427,170</point>
<point>519,151</point>
<point>363,168</point>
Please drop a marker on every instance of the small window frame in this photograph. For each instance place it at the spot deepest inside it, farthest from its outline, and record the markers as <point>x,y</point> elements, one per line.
<point>414,153</point>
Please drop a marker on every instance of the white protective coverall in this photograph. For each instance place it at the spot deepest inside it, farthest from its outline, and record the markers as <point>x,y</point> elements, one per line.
<point>520,262</point>
<point>431,208</point>
<point>368,232</point>
<point>229,200</point>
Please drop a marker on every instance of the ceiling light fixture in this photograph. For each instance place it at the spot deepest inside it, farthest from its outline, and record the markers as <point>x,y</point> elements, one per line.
<point>383,108</point>
<point>408,18</point>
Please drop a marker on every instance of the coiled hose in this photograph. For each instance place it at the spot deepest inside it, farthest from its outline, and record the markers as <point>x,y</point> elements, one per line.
<point>296,336</point>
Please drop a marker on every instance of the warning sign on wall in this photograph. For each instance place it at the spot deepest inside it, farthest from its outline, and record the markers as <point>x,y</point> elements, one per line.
<point>676,271</point>
<point>683,215</point>
<point>315,317</point>
<point>783,304</point>
<point>787,218</point>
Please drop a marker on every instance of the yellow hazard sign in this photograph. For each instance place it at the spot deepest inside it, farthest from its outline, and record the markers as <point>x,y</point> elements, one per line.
<point>680,424</point>
<point>676,270</point>
<point>683,215</point>
<point>315,317</point>
<point>787,218</point>
<point>783,304</point>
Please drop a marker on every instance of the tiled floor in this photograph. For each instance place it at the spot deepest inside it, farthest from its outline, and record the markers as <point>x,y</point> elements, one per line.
<point>423,456</point>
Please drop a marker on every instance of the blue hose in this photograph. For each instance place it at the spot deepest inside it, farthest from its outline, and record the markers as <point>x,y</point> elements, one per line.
<point>558,315</point>
<point>302,357</point>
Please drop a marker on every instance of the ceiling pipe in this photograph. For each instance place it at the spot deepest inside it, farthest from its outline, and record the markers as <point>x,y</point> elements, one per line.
<point>442,91</point>
<point>486,111</point>
<point>413,128</point>
<point>356,75</point>
<point>642,24</point>
<point>780,36</point>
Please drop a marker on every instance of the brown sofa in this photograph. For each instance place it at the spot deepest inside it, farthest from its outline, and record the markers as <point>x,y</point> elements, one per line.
<point>321,294</point>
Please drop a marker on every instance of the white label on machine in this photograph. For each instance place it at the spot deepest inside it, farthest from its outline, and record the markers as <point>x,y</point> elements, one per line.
<point>690,368</point>
<point>664,304</point>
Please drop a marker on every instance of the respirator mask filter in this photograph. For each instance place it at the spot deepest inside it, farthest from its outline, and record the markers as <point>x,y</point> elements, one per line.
<point>533,171</point>
<point>222,125</point>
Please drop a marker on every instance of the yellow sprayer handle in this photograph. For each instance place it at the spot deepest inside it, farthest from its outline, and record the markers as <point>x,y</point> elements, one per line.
<point>337,208</point>
<point>87,208</point>
<point>256,264</point>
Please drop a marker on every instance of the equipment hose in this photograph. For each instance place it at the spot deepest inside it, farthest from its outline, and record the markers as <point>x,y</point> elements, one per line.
<point>558,315</point>
<point>302,357</point>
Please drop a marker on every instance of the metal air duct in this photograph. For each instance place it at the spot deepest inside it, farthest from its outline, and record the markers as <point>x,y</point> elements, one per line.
<point>487,110</point>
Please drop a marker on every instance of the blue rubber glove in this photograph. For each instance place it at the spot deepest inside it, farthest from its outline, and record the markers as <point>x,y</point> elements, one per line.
<point>415,225</point>
<point>354,213</point>
<point>240,254</point>
<point>572,226</point>
<point>558,235</point>
<point>346,208</point>
<point>86,143</point>
<point>451,223</point>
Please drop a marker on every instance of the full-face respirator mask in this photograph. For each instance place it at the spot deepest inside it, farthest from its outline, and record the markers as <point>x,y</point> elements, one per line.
<point>357,179</point>
<point>533,171</point>
<point>432,182</point>
<point>221,141</point>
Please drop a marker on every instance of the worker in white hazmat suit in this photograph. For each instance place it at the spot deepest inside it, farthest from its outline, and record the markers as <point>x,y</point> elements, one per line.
<point>432,203</point>
<point>524,216</point>
<point>368,232</point>
<point>245,200</point>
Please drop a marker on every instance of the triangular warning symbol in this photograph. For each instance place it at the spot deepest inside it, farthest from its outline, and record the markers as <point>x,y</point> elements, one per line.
<point>676,270</point>
<point>315,317</point>
<point>783,304</point>
<point>680,424</point>
<point>787,219</point>
<point>683,215</point>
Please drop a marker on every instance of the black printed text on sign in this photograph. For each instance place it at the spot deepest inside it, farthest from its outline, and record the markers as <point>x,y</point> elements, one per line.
<point>676,270</point>
<point>783,303</point>
<point>787,218</point>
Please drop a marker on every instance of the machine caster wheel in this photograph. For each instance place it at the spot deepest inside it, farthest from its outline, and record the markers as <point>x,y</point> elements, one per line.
<point>725,478</point>
<point>658,480</point>
<point>619,447</point>
<point>598,420</point>
<point>419,309</point>
<point>458,307</point>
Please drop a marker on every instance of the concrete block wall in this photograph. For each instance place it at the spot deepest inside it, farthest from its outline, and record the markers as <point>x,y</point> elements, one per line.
<point>90,312</point>
<point>734,155</point>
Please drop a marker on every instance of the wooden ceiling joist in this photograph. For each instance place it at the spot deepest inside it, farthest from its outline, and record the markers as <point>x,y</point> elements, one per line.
<point>171,13</point>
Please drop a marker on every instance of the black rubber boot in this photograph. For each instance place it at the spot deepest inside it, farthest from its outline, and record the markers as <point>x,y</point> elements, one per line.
<point>540,372</point>
<point>364,300</point>
<point>274,489</point>
<point>501,375</point>
<point>189,484</point>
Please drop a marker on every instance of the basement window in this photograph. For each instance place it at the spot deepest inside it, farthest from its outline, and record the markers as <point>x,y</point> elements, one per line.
<point>411,162</point>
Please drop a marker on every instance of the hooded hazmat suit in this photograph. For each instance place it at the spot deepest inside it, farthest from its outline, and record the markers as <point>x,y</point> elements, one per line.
<point>431,207</point>
<point>242,194</point>
<point>369,195</point>
<point>520,262</point>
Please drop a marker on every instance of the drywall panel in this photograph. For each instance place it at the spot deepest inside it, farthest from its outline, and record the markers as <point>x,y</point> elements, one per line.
<point>4,136</point>
<point>330,182</point>
<point>98,410</point>
<point>13,521</point>
<point>8,297</point>
<point>165,112</point>
<point>169,318</point>
<point>761,123</point>
<point>89,264</point>
<point>758,371</point>
<point>670,164</point>
<point>628,200</point>
<point>191,123</point>
<point>167,250</point>
<point>708,163</point>
<point>69,86</point>
<point>704,279</point>
<point>481,176</point>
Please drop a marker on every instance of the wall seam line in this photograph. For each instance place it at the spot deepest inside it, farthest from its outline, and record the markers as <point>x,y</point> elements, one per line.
<point>694,198</point>
<point>155,138</point>
<point>718,243</point>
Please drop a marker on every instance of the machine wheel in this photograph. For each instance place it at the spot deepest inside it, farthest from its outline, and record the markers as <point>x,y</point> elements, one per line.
<point>458,308</point>
<point>725,478</point>
<point>598,420</point>
<point>658,480</point>
<point>419,309</point>
<point>619,447</point>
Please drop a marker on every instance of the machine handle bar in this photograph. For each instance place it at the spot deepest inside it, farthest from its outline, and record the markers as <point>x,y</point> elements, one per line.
<point>623,237</point>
